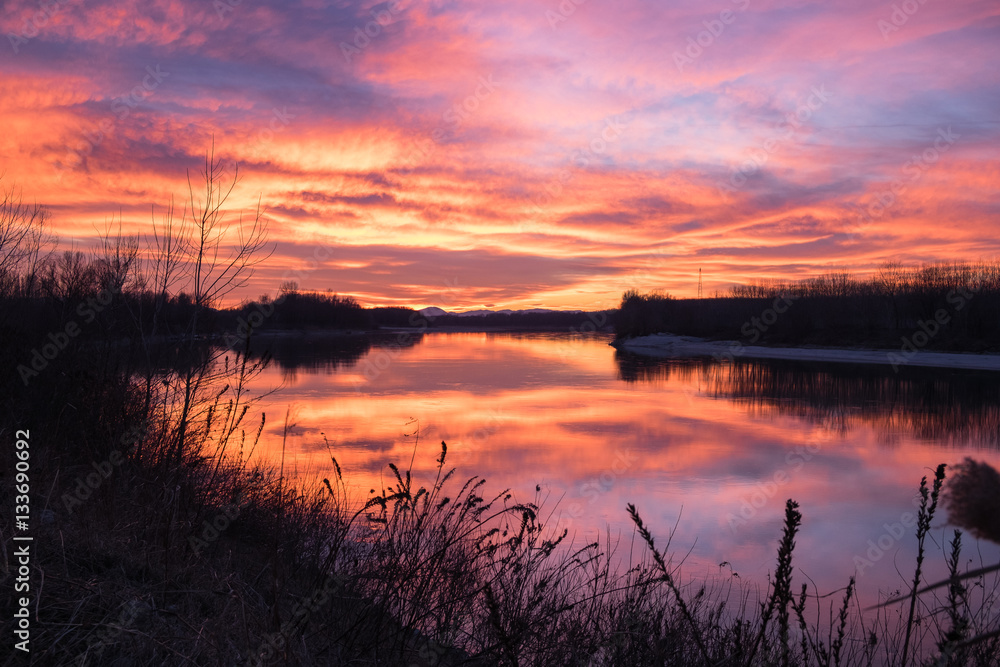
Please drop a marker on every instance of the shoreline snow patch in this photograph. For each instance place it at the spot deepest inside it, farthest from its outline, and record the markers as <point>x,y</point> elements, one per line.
<point>669,345</point>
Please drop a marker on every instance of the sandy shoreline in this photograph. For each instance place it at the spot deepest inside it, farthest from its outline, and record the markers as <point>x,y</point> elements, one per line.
<point>669,345</point>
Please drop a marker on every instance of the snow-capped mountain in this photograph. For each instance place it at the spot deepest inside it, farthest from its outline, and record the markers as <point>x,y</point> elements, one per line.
<point>434,311</point>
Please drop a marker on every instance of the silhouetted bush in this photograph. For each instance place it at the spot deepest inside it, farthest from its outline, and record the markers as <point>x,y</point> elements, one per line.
<point>183,552</point>
<point>309,310</point>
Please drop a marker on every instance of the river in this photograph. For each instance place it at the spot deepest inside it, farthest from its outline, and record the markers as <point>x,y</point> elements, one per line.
<point>712,448</point>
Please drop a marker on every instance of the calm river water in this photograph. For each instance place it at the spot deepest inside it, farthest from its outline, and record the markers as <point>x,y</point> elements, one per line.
<point>715,449</point>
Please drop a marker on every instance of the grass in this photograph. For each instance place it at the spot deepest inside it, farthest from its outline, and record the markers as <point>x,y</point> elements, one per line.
<point>186,553</point>
<point>189,554</point>
<point>215,561</point>
<point>157,541</point>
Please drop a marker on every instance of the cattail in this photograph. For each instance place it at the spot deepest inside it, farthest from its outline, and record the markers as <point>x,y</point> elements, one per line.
<point>973,499</point>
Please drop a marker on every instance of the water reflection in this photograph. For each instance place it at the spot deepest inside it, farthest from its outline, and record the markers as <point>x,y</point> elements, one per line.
<point>959,408</point>
<point>721,446</point>
<point>325,352</point>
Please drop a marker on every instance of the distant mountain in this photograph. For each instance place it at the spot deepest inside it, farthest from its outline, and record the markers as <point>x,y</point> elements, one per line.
<point>547,310</point>
<point>481,312</point>
<point>433,311</point>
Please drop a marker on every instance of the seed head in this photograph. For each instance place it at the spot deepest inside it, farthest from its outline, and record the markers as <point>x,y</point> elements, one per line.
<point>972,497</point>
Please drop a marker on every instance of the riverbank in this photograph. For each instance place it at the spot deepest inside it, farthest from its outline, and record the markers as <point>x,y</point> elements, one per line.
<point>670,345</point>
<point>161,543</point>
<point>944,307</point>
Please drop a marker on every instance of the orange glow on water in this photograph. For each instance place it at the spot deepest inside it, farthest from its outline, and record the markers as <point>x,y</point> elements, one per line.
<point>554,411</point>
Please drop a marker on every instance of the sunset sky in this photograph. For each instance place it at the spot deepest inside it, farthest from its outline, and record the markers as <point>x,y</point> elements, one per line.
<point>517,153</point>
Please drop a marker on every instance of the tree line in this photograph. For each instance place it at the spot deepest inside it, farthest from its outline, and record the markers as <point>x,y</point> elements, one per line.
<point>942,305</point>
<point>158,539</point>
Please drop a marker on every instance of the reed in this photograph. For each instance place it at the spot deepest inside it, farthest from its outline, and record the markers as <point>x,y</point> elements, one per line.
<point>187,552</point>
<point>426,572</point>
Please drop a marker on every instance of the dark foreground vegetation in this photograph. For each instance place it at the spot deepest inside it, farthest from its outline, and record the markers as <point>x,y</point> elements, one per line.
<point>944,306</point>
<point>157,541</point>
